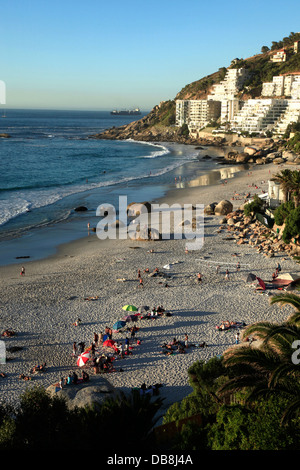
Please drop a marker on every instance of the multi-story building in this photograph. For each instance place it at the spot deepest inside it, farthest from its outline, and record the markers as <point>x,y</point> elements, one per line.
<point>290,115</point>
<point>197,113</point>
<point>287,85</point>
<point>296,47</point>
<point>229,108</point>
<point>279,56</point>
<point>259,115</point>
<point>228,88</point>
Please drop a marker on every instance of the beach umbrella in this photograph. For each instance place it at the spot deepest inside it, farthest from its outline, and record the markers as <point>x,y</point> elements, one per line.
<point>109,343</point>
<point>144,308</point>
<point>119,324</point>
<point>249,277</point>
<point>130,308</point>
<point>130,318</point>
<point>261,283</point>
<point>83,358</point>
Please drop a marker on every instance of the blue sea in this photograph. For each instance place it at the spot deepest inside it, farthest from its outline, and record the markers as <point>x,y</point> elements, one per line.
<point>50,165</point>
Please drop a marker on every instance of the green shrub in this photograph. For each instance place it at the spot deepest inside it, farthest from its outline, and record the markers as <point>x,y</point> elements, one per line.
<point>256,205</point>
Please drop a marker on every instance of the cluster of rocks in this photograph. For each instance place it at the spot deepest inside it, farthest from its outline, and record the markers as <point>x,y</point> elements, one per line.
<point>271,153</point>
<point>247,230</point>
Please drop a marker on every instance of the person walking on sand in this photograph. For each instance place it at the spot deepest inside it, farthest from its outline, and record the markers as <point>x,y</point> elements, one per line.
<point>238,266</point>
<point>218,269</point>
<point>141,283</point>
<point>237,337</point>
<point>227,275</point>
<point>22,271</point>
<point>199,277</point>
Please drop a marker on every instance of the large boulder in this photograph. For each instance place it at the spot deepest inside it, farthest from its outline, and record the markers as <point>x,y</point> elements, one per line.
<point>224,207</point>
<point>135,209</point>
<point>210,208</point>
<point>250,150</point>
<point>148,234</point>
<point>289,156</point>
<point>242,158</point>
<point>86,394</point>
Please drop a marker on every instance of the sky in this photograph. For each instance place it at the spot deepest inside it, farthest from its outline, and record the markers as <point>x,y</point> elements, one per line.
<point>102,55</point>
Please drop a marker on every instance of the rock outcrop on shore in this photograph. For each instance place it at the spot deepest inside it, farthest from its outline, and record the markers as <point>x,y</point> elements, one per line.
<point>149,129</point>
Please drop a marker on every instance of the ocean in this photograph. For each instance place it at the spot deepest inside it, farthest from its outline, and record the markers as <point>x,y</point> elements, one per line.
<point>50,165</point>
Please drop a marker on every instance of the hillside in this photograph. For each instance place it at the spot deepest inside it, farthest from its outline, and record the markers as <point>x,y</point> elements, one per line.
<point>158,125</point>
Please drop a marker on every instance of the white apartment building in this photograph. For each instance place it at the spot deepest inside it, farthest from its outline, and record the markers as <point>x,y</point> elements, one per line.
<point>228,88</point>
<point>259,115</point>
<point>290,115</point>
<point>283,85</point>
<point>229,108</point>
<point>196,113</point>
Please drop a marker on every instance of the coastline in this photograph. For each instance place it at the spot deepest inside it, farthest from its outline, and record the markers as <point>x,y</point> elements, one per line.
<point>42,305</point>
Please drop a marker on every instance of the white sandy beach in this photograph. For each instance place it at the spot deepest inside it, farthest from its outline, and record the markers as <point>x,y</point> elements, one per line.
<point>42,305</point>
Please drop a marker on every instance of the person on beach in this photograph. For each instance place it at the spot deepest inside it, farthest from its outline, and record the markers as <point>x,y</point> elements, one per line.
<point>139,274</point>
<point>227,275</point>
<point>141,283</point>
<point>96,339</point>
<point>218,269</point>
<point>186,341</point>
<point>199,278</point>
<point>238,266</point>
<point>74,349</point>
<point>237,337</point>
<point>22,271</point>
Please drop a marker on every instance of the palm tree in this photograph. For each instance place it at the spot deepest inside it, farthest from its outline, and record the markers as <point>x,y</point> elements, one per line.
<point>284,179</point>
<point>269,367</point>
<point>295,185</point>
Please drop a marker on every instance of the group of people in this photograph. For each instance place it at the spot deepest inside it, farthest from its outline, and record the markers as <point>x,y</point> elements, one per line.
<point>155,312</point>
<point>175,346</point>
<point>73,378</point>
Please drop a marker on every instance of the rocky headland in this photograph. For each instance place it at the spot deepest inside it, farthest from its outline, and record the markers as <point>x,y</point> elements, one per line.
<point>150,129</point>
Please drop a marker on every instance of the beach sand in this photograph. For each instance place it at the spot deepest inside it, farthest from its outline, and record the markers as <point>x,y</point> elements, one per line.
<point>42,305</point>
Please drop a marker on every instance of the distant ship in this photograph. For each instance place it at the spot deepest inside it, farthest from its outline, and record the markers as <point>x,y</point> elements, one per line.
<point>126,112</point>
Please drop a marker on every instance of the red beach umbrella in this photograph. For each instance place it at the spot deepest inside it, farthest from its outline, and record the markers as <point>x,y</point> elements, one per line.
<point>261,283</point>
<point>109,343</point>
<point>83,358</point>
<point>131,317</point>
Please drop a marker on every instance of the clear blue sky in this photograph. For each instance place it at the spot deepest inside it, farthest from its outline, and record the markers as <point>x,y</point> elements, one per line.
<point>70,54</point>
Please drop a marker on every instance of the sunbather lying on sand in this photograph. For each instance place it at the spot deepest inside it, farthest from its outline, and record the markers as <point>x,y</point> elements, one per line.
<point>38,368</point>
<point>225,325</point>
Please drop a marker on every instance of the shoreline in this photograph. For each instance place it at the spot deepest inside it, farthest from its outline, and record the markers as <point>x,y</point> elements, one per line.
<point>45,240</point>
<point>42,306</point>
